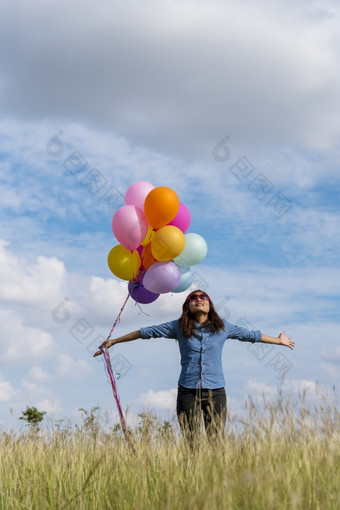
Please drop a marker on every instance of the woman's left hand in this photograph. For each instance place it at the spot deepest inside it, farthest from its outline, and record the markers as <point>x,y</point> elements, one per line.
<point>285,340</point>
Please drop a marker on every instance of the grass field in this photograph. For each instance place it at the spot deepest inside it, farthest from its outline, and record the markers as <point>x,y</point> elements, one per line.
<point>278,458</point>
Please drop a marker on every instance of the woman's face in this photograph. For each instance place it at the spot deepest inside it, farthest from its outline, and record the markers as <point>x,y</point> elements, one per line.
<point>199,302</point>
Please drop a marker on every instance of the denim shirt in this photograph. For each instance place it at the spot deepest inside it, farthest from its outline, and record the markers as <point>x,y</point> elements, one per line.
<point>201,354</point>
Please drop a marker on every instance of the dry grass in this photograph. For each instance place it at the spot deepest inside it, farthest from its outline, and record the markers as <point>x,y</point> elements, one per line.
<point>278,458</point>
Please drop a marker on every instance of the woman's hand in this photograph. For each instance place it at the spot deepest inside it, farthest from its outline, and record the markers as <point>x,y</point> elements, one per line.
<point>134,335</point>
<point>108,343</point>
<point>282,339</point>
<point>285,340</point>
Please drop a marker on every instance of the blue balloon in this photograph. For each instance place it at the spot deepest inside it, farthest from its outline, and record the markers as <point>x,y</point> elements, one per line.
<point>194,251</point>
<point>185,280</point>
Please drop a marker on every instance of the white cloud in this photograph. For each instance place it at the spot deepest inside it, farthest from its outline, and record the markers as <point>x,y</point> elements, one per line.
<point>37,373</point>
<point>106,295</point>
<point>234,407</point>
<point>331,364</point>
<point>331,370</point>
<point>260,388</point>
<point>69,368</point>
<point>296,390</point>
<point>333,357</point>
<point>51,407</point>
<point>174,79</point>
<point>33,389</point>
<point>160,400</point>
<point>21,282</point>
<point>178,75</point>
<point>307,233</point>
<point>21,344</point>
<point>7,391</point>
<point>273,295</point>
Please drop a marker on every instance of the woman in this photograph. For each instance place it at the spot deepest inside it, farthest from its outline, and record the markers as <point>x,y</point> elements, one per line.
<point>201,334</point>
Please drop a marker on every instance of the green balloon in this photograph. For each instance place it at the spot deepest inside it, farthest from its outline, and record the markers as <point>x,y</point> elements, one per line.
<point>194,251</point>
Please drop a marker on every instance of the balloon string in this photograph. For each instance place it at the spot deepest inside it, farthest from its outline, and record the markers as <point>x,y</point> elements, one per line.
<point>135,282</point>
<point>110,373</point>
<point>118,316</point>
<point>138,277</point>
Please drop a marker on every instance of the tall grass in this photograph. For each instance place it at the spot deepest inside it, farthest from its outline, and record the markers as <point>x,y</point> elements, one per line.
<point>279,457</point>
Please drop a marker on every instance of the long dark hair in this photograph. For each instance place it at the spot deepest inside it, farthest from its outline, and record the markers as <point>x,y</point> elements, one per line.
<point>187,321</point>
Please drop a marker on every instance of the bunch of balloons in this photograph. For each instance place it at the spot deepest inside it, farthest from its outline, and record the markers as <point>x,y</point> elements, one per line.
<point>155,252</point>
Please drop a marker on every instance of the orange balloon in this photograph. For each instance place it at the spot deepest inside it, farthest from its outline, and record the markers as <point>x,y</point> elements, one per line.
<point>161,206</point>
<point>167,243</point>
<point>147,258</point>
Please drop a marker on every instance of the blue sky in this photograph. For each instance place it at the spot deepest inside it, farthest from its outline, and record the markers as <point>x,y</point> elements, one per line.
<point>147,91</point>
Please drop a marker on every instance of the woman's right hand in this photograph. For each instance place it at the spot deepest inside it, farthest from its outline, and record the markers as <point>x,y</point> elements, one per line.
<point>108,343</point>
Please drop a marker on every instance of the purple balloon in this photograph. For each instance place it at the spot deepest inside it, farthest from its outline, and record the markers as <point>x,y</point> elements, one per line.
<point>140,294</point>
<point>182,219</point>
<point>162,277</point>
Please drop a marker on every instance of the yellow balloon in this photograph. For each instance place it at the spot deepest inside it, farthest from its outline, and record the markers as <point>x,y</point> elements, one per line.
<point>167,243</point>
<point>123,263</point>
<point>148,236</point>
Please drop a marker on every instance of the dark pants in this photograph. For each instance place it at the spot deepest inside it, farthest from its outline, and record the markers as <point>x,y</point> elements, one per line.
<point>192,402</point>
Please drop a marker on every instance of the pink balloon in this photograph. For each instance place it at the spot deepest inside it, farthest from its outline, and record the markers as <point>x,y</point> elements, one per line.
<point>162,277</point>
<point>182,219</point>
<point>129,226</point>
<point>137,192</point>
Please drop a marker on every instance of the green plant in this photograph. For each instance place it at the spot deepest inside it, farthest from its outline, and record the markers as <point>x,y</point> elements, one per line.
<point>33,417</point>
<point>91,420</point>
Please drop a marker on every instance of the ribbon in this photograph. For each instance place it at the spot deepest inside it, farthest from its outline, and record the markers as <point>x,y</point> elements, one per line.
<point>118,317</point>
<point>111,376</point>
<point>112,379</point>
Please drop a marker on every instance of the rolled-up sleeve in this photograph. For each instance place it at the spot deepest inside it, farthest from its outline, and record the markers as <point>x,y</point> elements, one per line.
<point>165,330</point>
<point>243,334</point>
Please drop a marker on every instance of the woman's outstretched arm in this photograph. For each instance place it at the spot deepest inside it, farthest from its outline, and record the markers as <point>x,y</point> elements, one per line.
<point>134,335</point>
<point>282,339</point>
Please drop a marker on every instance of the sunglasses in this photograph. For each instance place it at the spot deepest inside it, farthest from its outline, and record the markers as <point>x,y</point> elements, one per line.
<point>195,297</point>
